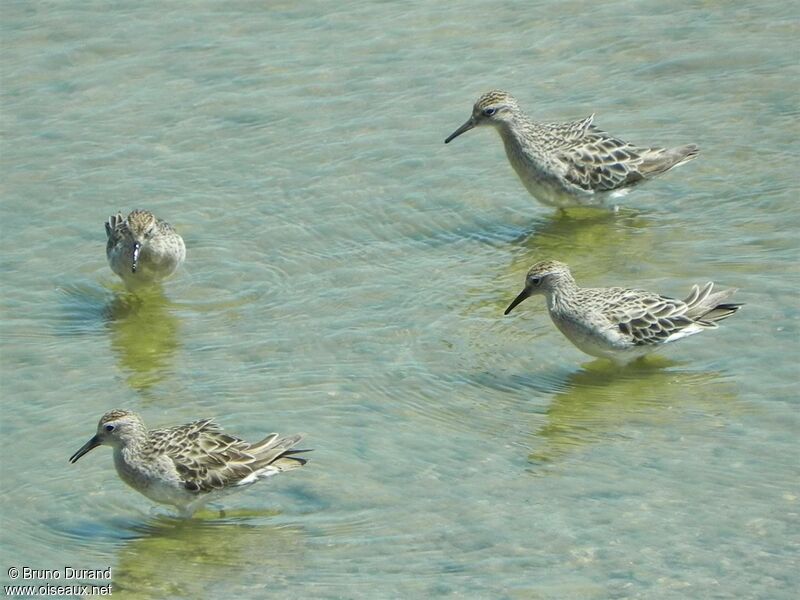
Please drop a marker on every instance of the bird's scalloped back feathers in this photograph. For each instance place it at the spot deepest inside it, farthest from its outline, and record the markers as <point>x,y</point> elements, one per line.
<point>596,161</point>
<point>652,319</point>
<point>568,131</point>
<point>208,459</point>
<point>161,440</point>
<point>599,162</point>
<point>646,318</point>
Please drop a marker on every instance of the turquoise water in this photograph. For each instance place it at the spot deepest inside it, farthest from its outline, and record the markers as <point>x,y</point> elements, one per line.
<point>346,275</point>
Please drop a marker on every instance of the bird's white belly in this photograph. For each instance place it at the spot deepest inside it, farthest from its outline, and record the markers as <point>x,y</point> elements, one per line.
<point>159,491</point>
<point>552,193</point>
<point>598,341</point>
<point>159,482</point>
<point>155,263</point>
<point>547,187</point>
<point>158,265</point>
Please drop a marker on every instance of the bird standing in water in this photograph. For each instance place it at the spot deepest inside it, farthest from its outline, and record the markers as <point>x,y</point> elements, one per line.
<point>189,465</point>
<point>143,249</point>
<point>572,163</point>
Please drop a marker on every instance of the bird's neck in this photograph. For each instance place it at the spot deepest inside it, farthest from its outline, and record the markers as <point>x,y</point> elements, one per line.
<point>519,134</point>
<point>124,453</point>
<point>516,126</point>
<point>561,298</point>
<point>130,470</point>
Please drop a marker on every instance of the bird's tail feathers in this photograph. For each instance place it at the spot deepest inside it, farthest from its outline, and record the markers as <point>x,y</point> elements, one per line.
<point>660,160</point>
<point>720,312</point>
<point>112,223</point>
<point>277,454</point>
<point>707,306</point>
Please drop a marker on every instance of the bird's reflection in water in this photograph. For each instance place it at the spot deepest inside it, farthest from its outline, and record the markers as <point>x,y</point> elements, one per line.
<point>602,399</point>
<point>144,335</point>
<point>207,557</point>
<point>590,237</point>
<point>592,240</point>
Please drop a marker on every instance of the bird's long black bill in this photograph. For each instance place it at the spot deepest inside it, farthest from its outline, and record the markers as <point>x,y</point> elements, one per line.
<point>465,127</point>
<point>90,445</point>
<point>523,295</point>
<point>137,250</point>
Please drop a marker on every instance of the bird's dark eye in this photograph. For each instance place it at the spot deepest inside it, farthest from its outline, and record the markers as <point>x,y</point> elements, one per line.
<point>536,280</point>
<point>109,428</point>
<point>489,111</point>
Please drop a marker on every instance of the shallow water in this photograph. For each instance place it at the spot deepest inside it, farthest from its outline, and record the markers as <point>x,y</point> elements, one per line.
<point>346,276</point>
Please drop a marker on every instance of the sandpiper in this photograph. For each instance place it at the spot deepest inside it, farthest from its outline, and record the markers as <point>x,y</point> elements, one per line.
<point>617,323</point>
<point>143,249</point>
<point>571,163</point>
<point>189,465</point>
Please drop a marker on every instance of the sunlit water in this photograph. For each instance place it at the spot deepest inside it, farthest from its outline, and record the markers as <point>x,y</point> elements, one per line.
<point>346,275</point>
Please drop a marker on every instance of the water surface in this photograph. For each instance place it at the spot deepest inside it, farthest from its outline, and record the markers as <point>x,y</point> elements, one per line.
<point>346,277</point>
